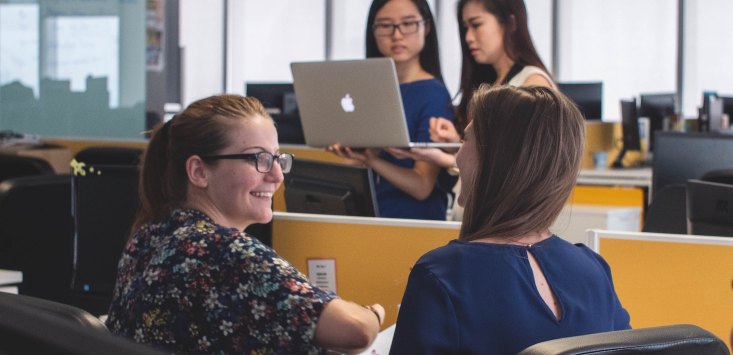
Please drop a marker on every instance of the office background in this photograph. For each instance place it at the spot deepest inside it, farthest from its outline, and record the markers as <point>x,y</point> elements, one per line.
<point>117,59</point>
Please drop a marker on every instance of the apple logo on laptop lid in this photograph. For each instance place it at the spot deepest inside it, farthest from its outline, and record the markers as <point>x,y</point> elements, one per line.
<point>347,103</point>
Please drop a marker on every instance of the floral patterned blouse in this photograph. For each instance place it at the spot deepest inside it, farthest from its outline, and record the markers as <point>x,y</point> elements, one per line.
<point>188,285</point>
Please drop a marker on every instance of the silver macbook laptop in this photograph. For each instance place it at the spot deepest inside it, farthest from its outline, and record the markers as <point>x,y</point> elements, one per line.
<point>355,103</point>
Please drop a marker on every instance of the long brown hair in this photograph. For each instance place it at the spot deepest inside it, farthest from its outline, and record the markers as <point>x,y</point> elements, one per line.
<point>201,129</point>
<point>529,143</point>
<point>512,15</point>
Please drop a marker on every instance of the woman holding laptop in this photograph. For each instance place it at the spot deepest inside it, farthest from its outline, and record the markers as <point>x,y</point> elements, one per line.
<point>404,30</point>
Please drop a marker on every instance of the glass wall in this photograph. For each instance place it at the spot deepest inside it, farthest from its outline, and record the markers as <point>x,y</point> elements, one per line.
<point>629,45</point>
<point>73,68</point>
<point>708,51</point>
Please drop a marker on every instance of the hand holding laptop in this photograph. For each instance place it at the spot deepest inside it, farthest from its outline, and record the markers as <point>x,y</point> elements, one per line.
<point>436,156</point>
<point>359,154</point>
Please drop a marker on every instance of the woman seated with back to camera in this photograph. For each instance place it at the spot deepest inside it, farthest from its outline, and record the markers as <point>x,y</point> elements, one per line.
<point>190,279</point>
<point>508,282</point>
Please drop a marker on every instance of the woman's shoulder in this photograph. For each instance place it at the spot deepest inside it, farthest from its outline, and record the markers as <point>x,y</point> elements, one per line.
<point>193,232</point>
<point>528,72</point>
<point>430,84</point>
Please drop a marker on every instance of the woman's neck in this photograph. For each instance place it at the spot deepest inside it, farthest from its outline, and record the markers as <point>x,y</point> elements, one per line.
<point>502,68</point>
<point>528,239</point>
<point>408,72</point>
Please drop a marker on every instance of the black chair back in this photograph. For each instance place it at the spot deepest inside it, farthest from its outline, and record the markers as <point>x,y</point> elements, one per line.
<point>74,314</point>
<point>668,211</point>
<point>36,233</point>
<point>15,165</point>
<point>722,176</point>
<point>33,326</point>
<point>668,340</point>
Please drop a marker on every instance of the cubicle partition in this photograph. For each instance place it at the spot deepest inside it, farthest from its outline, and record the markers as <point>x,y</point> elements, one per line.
<point>665,279</point>
<point>368,258</point>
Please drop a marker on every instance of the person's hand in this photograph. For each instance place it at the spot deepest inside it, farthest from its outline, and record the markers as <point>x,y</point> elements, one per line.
<point>443,130</point>
<point>400,153</point>
<point>362,156</point>
<point>431,155</point>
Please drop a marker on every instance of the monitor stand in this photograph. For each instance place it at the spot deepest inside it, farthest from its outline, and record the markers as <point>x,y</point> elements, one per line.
<point>618,162</point>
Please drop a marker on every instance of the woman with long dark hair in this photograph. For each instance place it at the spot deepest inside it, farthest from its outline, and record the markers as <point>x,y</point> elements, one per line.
<point>404,30</point>
<point>508,282</point>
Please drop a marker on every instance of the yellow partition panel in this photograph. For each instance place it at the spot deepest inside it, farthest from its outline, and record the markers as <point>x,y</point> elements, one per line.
<point>608,195</point>
<point>373,255</point>
<point>666,279</point>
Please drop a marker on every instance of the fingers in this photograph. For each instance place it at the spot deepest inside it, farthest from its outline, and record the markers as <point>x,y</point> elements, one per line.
<point>399,153</point>
<point>337,149</point>
<point>379,311</point>
<point>443,130</point>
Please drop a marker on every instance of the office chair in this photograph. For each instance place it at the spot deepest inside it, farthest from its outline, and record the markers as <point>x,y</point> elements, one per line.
<point>668,211</point>
<point>16,165</point>
<point>74,314</point>
<point>668,340</point>
<point>36,233</point>
<point>104,203</point>
<point>34,326</point>
<point>723,176</point>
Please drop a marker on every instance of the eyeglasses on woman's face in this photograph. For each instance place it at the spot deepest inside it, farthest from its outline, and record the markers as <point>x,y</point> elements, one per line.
<point>406,28</point>
<point>263,160</point>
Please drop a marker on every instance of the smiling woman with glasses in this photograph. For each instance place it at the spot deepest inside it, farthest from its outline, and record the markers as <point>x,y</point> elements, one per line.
<point>402,30</point>
<point>190,279</point>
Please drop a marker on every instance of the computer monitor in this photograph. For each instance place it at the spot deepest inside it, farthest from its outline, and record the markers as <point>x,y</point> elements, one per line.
<point>683,156</point>
<point>630,126</point>
<point>588,96</point>
<point>329,188</point>
<point>709,208</point>
<point>656,107</point>
<point>279,100</point>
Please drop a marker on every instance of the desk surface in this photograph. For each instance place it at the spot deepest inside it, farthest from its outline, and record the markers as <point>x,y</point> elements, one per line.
<point>616,177</point>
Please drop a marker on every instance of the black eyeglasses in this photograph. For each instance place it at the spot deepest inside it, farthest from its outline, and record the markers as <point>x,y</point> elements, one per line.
<point>406,28</point>
<point>263,160</point>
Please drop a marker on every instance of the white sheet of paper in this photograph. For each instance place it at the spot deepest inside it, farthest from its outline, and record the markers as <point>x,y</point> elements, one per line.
<point>322,273</point>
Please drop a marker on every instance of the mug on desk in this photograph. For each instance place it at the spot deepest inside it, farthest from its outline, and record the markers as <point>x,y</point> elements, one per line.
<point>600,159</point>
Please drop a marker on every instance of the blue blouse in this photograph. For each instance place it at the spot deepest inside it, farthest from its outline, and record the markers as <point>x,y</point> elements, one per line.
<point>188,285</point>
<point>421,100</point>
<point>479,298</point>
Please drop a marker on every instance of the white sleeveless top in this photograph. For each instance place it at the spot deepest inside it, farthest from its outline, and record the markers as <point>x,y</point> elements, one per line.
<point>526,72</point>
